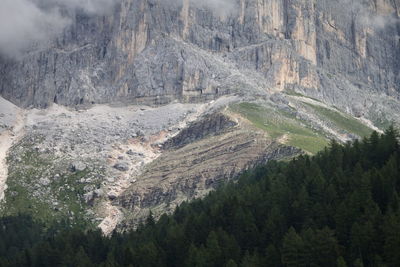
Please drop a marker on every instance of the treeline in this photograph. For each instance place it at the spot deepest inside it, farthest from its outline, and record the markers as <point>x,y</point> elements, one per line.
<point>338,208</point>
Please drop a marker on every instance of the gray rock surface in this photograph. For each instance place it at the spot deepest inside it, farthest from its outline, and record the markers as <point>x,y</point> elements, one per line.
<point>78,166</point>
<point>212,125</point>
<point>122,166</point>
<point>156,51</point>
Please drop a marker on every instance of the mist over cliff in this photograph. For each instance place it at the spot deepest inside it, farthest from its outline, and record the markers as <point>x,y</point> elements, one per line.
<point>26,24</point>
<point>29,24</point>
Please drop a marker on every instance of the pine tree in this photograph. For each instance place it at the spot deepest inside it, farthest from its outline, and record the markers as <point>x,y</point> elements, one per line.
<point>272,257</point>
<point>293,249</point>
<point>231,263</point>
<point>251,260</point>
<point>196,257</point>
<point>392,239</point>
<point>82,259</point>
<point>358,263</point>
<point>341,262</point>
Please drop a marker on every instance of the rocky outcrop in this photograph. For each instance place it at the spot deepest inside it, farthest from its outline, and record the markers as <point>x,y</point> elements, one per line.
<point>213,124</point>
<point>191,171</point>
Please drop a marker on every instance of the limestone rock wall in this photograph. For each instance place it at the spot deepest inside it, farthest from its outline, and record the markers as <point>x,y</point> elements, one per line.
<point>156,51</point>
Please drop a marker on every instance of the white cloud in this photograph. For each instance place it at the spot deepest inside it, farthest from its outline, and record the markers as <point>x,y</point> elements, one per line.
<point>24,23</point>
<point>365,14</point>
<point>220,7</point>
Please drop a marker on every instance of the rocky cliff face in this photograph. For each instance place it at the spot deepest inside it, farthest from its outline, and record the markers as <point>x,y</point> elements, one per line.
<point>155,51</point>
<point>301,72</point>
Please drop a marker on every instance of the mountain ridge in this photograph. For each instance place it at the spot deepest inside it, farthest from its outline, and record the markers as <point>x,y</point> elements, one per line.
<point>158,102</point>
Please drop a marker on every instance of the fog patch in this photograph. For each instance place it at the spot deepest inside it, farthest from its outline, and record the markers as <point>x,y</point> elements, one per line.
<point>25,24</point>
<point>221,8</point>
<point>365,14</point>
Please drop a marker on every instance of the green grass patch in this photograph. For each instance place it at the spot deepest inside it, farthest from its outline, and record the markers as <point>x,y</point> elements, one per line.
<point>279,123</point>
<point>342,121</point>
<point>53,200</point>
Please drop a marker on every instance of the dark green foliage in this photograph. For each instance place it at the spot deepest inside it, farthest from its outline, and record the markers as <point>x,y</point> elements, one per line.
<point>338,208</point>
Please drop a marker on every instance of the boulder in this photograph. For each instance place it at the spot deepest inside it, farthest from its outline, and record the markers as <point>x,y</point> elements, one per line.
<point>78,166</point>
<point>122,166</point>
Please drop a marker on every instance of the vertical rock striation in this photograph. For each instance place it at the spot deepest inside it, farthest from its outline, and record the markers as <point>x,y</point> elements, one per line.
<point>156,51</point>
